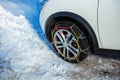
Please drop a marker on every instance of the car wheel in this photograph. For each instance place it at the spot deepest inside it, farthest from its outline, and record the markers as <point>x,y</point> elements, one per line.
<point>70,41</point>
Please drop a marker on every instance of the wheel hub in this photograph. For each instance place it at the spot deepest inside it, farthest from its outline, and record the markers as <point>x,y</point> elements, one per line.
<point>65,43</point>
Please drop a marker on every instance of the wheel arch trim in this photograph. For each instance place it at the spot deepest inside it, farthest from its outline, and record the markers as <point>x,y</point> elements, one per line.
<point>79,19</point>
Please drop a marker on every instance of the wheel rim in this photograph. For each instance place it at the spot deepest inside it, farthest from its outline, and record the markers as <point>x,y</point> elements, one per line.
<point>66,44</point>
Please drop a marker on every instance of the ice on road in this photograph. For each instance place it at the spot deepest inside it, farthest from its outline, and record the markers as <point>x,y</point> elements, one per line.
<point>26,56</point>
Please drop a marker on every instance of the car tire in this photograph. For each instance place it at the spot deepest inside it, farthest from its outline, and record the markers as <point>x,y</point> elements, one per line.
<point>70,41</point>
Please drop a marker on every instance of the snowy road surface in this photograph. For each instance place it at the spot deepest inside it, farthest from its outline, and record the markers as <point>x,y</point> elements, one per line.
<point>25,56</point>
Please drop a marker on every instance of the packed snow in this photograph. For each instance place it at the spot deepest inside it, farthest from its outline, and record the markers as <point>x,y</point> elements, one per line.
<point>25,54</point>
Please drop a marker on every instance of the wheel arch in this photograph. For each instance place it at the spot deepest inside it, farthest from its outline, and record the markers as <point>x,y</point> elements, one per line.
<point>69,15</point>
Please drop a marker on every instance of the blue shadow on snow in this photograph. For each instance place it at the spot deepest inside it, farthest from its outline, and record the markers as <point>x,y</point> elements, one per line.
<point>29,8</point>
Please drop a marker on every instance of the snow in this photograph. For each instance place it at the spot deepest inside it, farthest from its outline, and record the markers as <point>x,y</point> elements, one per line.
<point>25,54</point>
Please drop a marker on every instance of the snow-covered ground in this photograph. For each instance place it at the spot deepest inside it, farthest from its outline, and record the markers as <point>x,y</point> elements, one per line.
<point>24,54</point>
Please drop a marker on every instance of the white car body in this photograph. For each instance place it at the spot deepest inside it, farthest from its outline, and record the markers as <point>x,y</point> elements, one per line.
<point>102,15</point>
